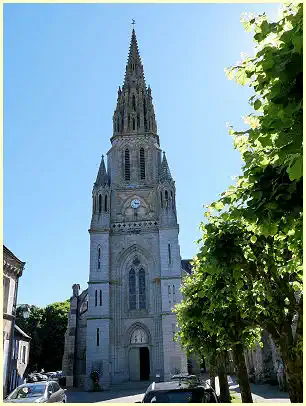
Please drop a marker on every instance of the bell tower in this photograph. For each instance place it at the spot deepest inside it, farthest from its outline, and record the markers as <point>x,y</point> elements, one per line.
<point>135,264</point>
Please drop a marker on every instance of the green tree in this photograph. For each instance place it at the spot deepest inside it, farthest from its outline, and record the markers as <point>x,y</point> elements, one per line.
<point>265,290</point>
<point>196,340</point>
<point>261,225</point>
<point>54,326</point>
<point>32,326</point>
<point>46,327</point>
<point>209,303</point>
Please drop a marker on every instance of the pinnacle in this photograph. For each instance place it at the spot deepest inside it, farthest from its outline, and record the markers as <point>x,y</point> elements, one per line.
<point>165,174</point>
<point>102,177</point>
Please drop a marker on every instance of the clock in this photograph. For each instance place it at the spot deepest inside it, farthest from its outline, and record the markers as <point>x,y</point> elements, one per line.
<point>135,203</point>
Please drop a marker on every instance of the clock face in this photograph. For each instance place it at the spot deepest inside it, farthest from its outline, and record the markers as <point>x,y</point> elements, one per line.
<point>135,203</point>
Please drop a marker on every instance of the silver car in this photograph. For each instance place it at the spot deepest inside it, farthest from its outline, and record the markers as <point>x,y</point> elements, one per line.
<point>38,392</point>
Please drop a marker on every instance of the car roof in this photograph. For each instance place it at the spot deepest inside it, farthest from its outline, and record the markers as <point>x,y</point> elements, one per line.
<point>33,383</point>
<point>176,385</point>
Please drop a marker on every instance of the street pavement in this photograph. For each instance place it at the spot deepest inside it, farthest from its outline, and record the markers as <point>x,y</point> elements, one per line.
<point>126,394</point>
<point>260,393</point>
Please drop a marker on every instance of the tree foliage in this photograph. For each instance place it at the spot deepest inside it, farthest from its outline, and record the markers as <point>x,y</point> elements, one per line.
<point>46,327</point>
<point>249,267</point>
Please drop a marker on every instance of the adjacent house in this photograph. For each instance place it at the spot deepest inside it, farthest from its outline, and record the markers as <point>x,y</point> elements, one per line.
<point>12,270</point>
<point>20,357</point>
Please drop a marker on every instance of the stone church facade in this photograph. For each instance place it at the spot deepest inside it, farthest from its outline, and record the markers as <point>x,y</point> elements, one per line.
<point>123,324</point>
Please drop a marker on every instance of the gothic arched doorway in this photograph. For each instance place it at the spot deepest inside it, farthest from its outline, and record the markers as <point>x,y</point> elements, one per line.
<point>139,356</point>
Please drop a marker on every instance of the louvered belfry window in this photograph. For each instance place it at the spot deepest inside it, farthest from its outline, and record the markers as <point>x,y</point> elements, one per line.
<point>142,164</point>
<point>127,172</point>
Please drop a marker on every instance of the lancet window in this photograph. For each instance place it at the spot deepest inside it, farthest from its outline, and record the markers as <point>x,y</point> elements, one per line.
<point>127,173</point>
<point>142,164</point>
<point>99,257</point>
<point>137,289</point>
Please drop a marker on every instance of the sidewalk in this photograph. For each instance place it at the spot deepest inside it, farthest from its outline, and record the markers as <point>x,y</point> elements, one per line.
<point>260,393</point>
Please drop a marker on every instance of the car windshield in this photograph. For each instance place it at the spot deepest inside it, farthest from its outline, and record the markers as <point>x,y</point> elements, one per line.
<point>28,391</point>
<point>176,396</point>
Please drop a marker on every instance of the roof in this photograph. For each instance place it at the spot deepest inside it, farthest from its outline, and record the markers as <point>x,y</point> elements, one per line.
<point>21,332</point>
<point>36,383</point>
<point>8,252</point>
<point>186,265</point>
<point>176,385</point>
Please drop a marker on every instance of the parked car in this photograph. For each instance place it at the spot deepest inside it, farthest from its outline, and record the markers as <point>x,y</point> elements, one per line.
<point>179,391</point>
<point>36,377</point>
<point>38,392</point>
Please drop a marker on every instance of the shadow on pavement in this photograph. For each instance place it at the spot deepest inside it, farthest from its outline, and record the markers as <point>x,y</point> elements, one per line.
<point>78,396</point>
<point>265,391</point>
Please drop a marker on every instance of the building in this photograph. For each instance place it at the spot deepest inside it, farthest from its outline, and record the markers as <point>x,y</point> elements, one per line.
<point>123,325</point>
<point>12,270</point>
<point>20,357</point>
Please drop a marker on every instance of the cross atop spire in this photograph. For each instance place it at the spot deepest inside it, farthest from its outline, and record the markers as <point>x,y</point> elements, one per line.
<point>133,22</point>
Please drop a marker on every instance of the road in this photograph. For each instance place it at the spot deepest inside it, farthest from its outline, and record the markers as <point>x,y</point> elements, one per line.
<point>124,394</point>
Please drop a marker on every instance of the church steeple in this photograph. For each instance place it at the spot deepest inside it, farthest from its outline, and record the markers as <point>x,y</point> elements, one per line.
<point>134,113</point>
<point>134,68</point>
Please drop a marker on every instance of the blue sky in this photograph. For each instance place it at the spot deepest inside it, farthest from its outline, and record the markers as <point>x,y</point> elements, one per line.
<point>63,64</point>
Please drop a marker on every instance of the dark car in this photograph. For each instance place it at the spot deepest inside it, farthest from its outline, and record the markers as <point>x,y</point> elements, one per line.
<point>38,392</point>
<point>180,391</point>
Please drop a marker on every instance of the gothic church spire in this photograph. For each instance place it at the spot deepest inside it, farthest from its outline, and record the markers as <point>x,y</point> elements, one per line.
<point>134,113</point>
<point>134,68</point>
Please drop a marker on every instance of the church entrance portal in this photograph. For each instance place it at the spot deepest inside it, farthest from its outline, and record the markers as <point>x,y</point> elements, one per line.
<point>139,364</point>
<point>144,363</point>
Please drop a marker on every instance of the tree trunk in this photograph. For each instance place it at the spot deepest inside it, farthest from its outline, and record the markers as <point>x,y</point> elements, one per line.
<point>291,352</point>
<point>242,373</point>
<point>212,374</point>
<point>224,389</point>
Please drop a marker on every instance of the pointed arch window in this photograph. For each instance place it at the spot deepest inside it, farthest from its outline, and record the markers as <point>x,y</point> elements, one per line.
<point>105,203</point>
<point>138,122</point>
<point>134,102</point>
<point>161,200</point>
<point>134,124</point>
<point>166,197</point>
<point>142,289</point>
<point>100,203</point>
<point>169,253</point>
<point>132,289</point>
<point>142,164</point>
<point>96,298</point>
<point>172,200</point>
<point>100,297</point>
<point>127,174</point>
<point>99,257</point>
<point>98,337</point>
